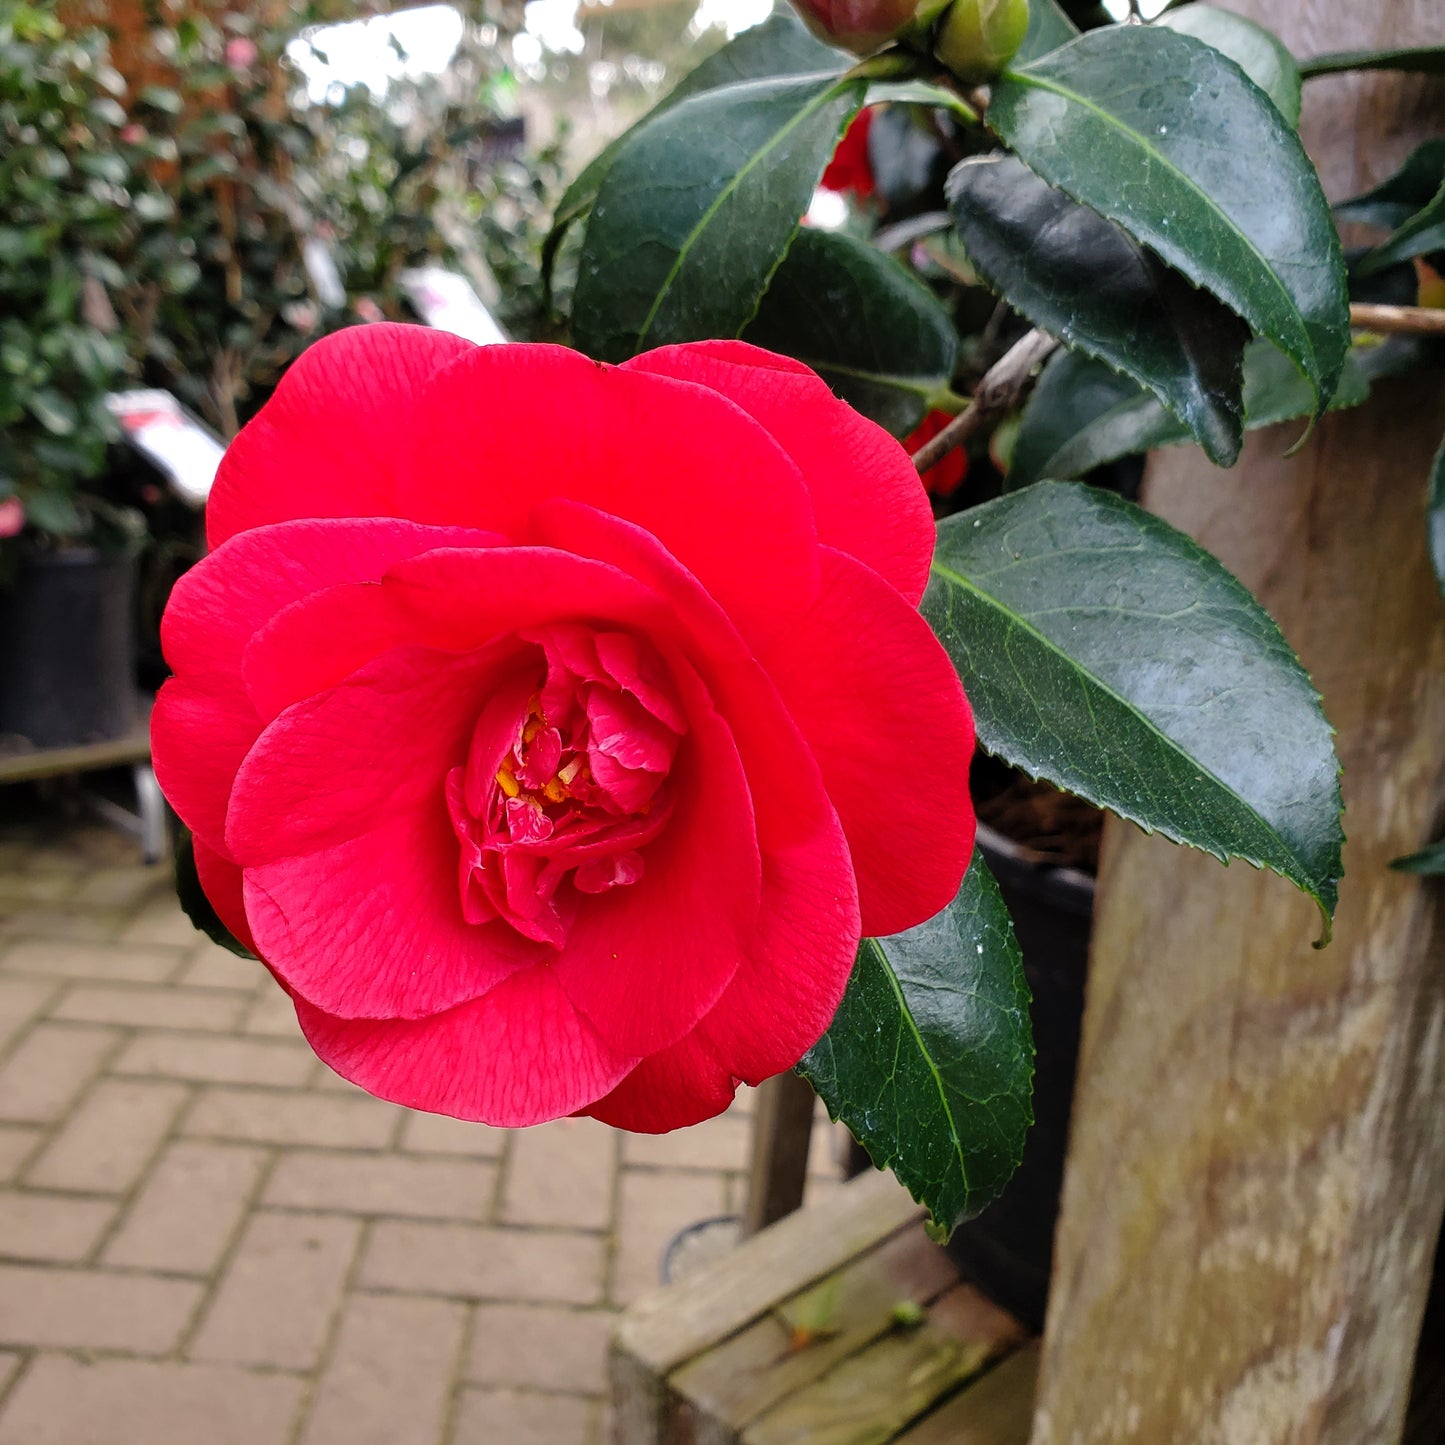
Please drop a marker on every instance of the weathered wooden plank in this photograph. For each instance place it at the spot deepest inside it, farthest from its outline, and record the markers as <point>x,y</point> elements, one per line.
<point>1257,1160</point>
<point>21,763</point>
<point>782,1132</point>
<point>669,1327</point>
<point>734,1383</point>
<point>868,1398</point>
<point>996,1410</point>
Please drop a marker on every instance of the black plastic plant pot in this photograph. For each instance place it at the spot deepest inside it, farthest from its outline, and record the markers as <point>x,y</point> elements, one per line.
<point>1008,1250</point>
<point>67,648</point>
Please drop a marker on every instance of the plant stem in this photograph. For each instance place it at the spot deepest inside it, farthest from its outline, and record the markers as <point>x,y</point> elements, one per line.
<point>1395,320</point>
<point>1002,388</point>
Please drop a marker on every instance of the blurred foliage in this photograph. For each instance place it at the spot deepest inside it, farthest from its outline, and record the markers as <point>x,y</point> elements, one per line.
<point>159,233</point>
<point>73,196</point>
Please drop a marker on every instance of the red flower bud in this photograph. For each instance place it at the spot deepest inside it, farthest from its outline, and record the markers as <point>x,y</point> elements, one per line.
<point>849,170</point>
<point>861,26</point>
<point>947,477</point>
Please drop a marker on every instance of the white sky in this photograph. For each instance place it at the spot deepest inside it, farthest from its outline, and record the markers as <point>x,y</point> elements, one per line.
<point>360,51</point>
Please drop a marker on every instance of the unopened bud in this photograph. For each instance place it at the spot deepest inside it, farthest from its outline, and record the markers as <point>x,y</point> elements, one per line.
<point>861,26</point>
<point>977,38</point>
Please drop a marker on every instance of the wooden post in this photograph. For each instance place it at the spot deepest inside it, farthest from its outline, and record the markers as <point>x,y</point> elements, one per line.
<point>782,1131</point>
<point>1257,1166</point>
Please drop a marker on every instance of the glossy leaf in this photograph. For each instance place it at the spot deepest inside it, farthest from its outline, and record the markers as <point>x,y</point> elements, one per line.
<point>1049,28</point>
<point>1083,414</point>
<point>1430,862</point>
<point>1086,281</point>
<point>194,903</point>
<point>1410,189</point>
<point>929,1060</point>
<point>1108,653</point>
<point>879,337</point>
<point>1261,55</point>
<point>1423,59</point>
<point>781,45</point>
<point>1436,506</point>
<point>1422,233</point>
<point>1163,135</point>
<point>698,210</point>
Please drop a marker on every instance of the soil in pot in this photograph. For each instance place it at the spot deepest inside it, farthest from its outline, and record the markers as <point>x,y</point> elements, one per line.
<point>67,648</point>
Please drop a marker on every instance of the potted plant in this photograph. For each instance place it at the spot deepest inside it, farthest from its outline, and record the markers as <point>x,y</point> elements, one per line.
<point>69,192</point>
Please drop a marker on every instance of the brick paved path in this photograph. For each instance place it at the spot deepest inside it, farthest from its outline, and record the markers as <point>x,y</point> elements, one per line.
<point>206,1238</point>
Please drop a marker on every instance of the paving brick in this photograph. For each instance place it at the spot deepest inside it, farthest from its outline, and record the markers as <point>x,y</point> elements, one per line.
<point>653,1205</point>
<point>50,1226</point>
<point>376,1184</point>
<point>51,958</point>
<point>209,965</point>
<point>721,1143</point>
<point>438,1134</point>
<point>10,1362</point>
<point>63,1401</point>
<point>294,1117</point>
<point>217,1060</point>
<point>280,1291</point>
<point>36,887</point>
<point>561,1174</point>
<point>16,1142</point>
<point>273,1015</point>
<point>503,1415</point>
<point>48,1068</point>
<point>110,1137</point>
<point>156,1007</point>
<point>160,922</point>
<point>21,1000</point>
<point>389,1378</point>
<point>87,1309</point>
<point>122,885</point>
<point>473,1262</point>
<point>188,1208</point>
<point>59,921</point>
<point>542,1347</point>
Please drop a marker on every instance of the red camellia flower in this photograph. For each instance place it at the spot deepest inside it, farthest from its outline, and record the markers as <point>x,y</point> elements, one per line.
<point>947,476</point>
<point>553,730</point>
<point>850,169</point>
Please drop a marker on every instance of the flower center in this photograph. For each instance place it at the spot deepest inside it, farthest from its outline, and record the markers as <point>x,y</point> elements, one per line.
<point>566,780</point>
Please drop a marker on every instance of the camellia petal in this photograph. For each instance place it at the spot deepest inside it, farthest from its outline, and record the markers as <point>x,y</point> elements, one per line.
<point>884,714</point>
<point>645,963</point>
<point>632,445</point>
<point>330,441</point>
<point>518,1056</point>
<point>667,1090</point>
<point>865,491</point>
<point>221,881</point>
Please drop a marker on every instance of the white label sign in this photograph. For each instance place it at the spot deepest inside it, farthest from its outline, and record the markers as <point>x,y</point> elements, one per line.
<point>162,430</point>
<point>446,301</point>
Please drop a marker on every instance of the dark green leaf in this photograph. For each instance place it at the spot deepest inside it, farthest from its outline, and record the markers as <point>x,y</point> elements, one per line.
<point>194,903</point>
<point>1162,134</point>
<point>1086,281</point>
<point>1409,190</point>
<point>1422,233</point>
<point>781,45</point>
<point>1083,413</point>
<point>1436,505</point>
<point>1428,861</point>
<point>54,512</point>
<point>1049,28</point>
<point>878,336</point>
<point>1425,59</point>
<point>1260,54</point>
<point>699,208</point>
<point>1106,652</point>
<point>929,1060</point>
